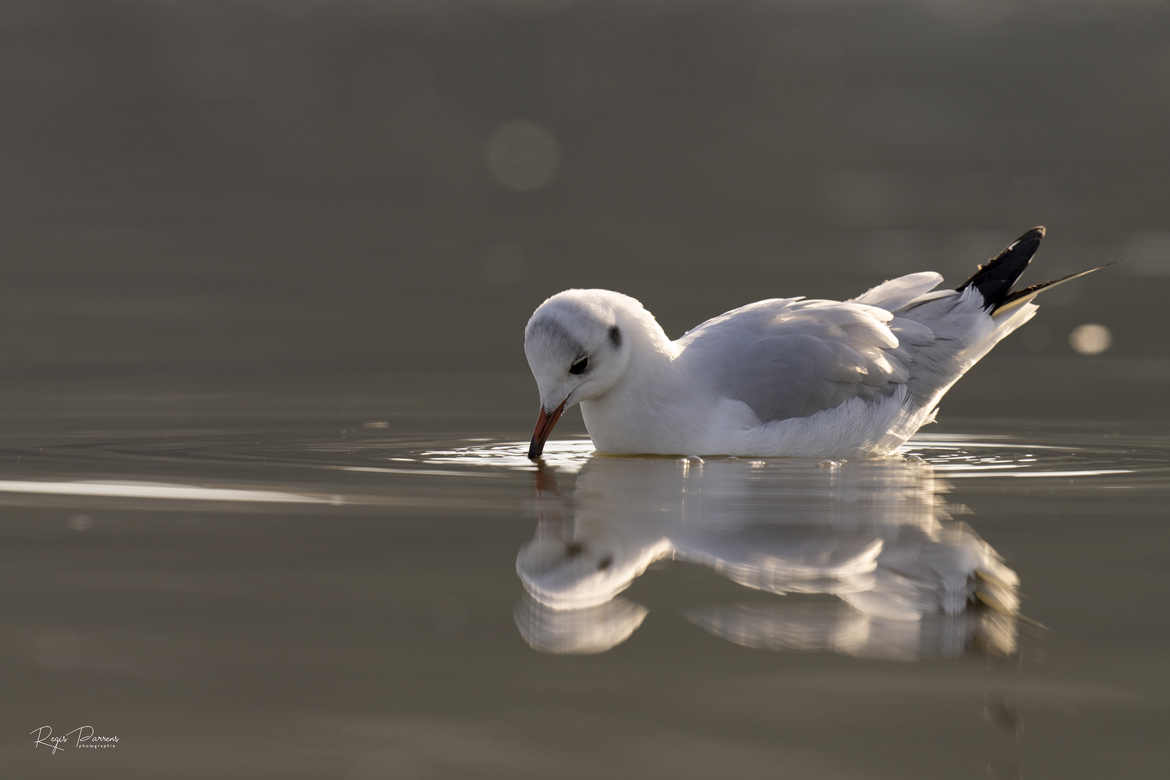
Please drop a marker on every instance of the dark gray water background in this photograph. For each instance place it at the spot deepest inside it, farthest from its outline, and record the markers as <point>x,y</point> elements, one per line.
<point>289,248</point>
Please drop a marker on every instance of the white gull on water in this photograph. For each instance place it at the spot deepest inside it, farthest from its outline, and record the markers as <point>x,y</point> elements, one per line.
<point>783,376</point>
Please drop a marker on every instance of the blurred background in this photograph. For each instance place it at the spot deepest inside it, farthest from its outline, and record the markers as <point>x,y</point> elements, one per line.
<point>283,246</point>
<point>228,203</point>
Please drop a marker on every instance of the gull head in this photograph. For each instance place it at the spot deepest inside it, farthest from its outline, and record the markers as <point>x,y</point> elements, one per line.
<point>578,346</point>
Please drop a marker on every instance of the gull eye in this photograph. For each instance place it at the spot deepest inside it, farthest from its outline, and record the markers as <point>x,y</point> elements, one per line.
<point>580,365</point>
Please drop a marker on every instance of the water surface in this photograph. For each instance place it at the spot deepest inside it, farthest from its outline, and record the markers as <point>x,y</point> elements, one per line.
<point>264,510</point>
<point>294,598</point>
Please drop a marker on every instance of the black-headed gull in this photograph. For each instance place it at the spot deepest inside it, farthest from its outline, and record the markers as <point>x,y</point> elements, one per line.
<point>784,376</point>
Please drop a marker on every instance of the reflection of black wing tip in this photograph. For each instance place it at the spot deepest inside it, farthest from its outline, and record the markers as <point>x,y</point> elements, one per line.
<point>994,280</point>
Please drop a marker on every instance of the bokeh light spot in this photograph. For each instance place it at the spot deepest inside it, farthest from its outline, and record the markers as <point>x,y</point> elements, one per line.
<point>522,155</point>
<point>1090,338</point>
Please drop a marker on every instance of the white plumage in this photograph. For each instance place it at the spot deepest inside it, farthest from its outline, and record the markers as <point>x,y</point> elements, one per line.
<point>784,376</point>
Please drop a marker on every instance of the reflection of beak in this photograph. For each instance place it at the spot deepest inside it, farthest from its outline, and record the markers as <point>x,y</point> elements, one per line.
<point>544,425</point>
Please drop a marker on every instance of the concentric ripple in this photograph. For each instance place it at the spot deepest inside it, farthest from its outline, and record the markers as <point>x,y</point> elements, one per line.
<point>360,465</point>
<point>957,456</point>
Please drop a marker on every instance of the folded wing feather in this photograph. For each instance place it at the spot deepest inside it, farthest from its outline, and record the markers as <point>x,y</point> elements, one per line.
<point>793,357</point>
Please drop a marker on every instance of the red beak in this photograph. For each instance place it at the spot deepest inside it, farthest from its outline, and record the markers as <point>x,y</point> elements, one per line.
<point>544,425</point>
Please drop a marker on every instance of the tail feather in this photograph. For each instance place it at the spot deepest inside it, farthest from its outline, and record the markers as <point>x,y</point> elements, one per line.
<point>1024,295</point>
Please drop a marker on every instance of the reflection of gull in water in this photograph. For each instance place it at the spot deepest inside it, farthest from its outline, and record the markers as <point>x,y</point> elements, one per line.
<point>875,534</point>
<point>588,630</point>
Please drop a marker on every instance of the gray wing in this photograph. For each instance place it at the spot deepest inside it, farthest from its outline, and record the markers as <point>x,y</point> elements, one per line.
<point>793,357</point>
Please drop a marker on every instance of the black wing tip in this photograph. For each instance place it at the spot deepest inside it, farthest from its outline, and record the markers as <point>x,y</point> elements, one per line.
<point>994,279</point>
<point>1026,245</point>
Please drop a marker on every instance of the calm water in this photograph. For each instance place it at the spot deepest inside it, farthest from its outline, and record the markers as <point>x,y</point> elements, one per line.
<point>263,505</point>
<point>352,599</point>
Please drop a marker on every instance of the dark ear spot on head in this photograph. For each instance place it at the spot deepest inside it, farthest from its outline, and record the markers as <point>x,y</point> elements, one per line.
<point>615,336</point>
